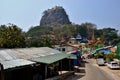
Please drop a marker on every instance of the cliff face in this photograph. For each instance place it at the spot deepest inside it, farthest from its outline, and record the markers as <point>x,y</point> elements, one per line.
<point>54,16</point>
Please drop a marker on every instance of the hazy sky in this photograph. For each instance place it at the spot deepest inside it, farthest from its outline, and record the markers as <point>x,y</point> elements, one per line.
<point>27,13</point>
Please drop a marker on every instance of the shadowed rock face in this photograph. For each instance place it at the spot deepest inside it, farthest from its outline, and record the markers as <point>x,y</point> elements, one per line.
<point>54,16</point>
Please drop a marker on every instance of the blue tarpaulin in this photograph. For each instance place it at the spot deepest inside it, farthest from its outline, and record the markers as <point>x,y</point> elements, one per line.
<point>75,63</point>
<point>105,51</point>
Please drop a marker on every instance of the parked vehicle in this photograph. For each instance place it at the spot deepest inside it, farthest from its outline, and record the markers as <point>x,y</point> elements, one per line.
<point>113,65</point>
<point>100,61</point>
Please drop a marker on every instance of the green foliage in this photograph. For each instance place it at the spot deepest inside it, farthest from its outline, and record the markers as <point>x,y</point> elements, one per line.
<point>98,33</point>
<point>46,42</point>
<point>106,35</point>
<point>86,29</point>
<point>34,42</point>
<point>109,35</point>
<point>64,31</point>
<point>116,41</point>
<point>11,37</point>
<point>99,55</point>
<point>68,31</point>
<point>118,51</point>
<point>110,56</point>
<point>37,31</point>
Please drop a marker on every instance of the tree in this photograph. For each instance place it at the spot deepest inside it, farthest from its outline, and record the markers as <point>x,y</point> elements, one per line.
<point>109,34</point>
<point>33,42</point>
<point>110,56</point>
<point>11,36</point>
<point>37,31</point>
<point>68,31</point>
<point>86,29</point>
<point>46,42</point>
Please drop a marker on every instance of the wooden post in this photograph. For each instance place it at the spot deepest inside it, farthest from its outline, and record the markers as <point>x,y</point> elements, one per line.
<point>61,68</point>
<point>1,72</point>
<point>45,71</point>
<point>69,64</point>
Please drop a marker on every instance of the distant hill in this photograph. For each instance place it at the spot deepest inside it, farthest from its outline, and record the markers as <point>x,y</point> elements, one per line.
<point>54,17</point>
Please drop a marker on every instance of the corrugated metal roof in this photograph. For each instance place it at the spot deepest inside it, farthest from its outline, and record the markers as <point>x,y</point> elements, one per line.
<point>8,54</point>
<point>27,53</point>
<point>11,58</point>
<point>16,63</point>
<point>51,58</point>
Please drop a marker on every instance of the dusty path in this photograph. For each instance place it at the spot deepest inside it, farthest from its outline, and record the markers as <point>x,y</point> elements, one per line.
<point>90,71</point>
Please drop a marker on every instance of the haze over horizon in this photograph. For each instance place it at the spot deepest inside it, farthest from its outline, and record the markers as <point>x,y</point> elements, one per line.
<point>27,13</point>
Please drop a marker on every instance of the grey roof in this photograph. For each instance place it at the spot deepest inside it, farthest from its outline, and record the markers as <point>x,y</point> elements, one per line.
<point>11,58</point>
<point>27,53</point>
<point>51,58</point>
<point>16,63</point>
<point>8,54</point>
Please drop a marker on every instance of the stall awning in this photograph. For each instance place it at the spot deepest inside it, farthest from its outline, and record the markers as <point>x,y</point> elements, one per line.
<point>51,58</point>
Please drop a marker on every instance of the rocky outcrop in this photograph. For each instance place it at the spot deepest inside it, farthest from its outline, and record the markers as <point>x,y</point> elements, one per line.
<point>54,16</point>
